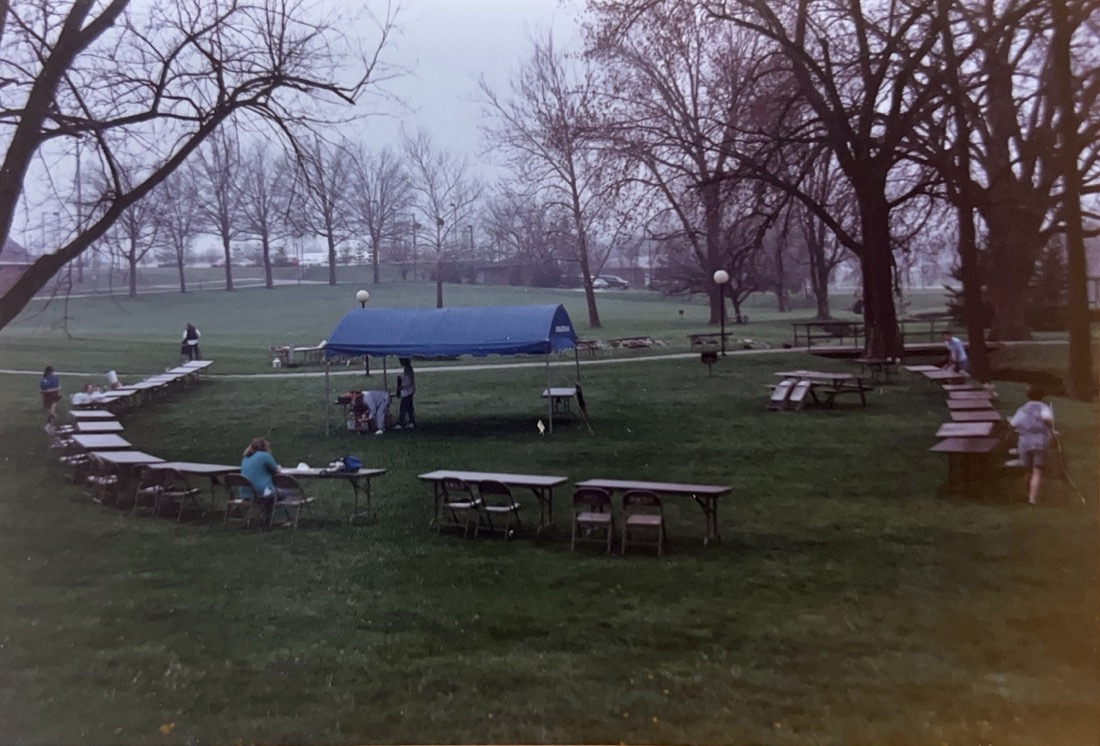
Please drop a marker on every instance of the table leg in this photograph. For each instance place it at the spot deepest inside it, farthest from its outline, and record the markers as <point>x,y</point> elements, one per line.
<point>356,513</point>
<point>710,512</point>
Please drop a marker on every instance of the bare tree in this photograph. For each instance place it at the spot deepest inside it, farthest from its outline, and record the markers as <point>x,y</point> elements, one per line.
<point>218,172</point>
<point>179,218</point>
<point>444,197</point>
<point>323,196</point>
<point>134,235</point>
<point>265,189</point>
<point>148,85</point>
<point>549,130</point>
<point>380,193</point>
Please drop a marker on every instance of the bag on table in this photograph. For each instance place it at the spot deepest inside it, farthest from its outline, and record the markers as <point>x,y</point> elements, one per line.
<point>351,463</point>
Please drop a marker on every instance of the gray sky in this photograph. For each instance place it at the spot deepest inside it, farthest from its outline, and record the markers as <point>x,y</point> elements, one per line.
<point>447,45</point>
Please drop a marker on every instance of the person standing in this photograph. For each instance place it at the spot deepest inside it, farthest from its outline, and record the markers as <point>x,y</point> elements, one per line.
<point>189,347</point>
<point>957,360</point>
<point>50,388</point>
<point>1034,421</point>
<point>406,387</point>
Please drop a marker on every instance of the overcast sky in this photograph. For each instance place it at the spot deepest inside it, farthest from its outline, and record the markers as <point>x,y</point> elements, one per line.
<point>447,44</point>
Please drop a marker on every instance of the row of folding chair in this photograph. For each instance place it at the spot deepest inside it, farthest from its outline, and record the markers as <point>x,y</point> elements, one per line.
<point>485,505</point>
<point>642,522</point>
<point>243,504</point>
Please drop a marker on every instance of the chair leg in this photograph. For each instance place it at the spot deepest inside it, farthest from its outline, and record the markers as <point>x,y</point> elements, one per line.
<point>622,547</point>
<point>573,537</point>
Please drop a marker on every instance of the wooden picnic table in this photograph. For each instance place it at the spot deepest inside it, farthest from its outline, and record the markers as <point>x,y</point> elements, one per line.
<point>631,342</point>
<point>944,376</point>
<point>360,478</point>
<point>976,415</point>
<point>830,330</point>
<point>963,404</point>
<point>965,430</point>
<point>976,395</point>
<point>705,496</point>
<point>91,427</point>
<point>82,415</point>
<point>880,368</point>
<point>541,486</point>
<point>967,462</point>
<point>832,384</point>
<point>105,442</point>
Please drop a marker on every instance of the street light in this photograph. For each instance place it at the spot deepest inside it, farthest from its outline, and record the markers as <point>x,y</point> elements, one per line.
<point>721,277</point>
<point>363,296</point>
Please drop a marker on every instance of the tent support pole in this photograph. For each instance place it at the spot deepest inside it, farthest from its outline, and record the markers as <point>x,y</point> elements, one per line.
<point>325,402</point>
<point>577,360</point>
<point>385,384</point>
<point>549,399</point>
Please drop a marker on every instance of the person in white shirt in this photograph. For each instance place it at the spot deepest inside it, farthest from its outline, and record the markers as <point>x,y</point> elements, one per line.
<point>87,395</point>
<point>1034,422</point>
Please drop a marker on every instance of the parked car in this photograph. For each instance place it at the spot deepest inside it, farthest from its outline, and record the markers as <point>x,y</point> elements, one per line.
<point>600,284</point>
<point>613,281</point>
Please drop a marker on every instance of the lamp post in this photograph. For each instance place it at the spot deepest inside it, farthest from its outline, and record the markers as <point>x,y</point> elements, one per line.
<point>415,226</point>
<point>721,277</point>
<point>363,296</point>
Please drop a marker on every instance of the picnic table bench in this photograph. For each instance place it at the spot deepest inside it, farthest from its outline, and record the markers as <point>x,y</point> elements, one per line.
<point>968,462</point>
<point>881,369</point>
<point>824,387</point>
<point>290,356</point>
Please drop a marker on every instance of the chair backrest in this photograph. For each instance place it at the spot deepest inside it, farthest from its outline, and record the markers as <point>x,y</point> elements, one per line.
<point>495,492</point>
<point>456,489</point>
<point>636,500</point>
<point>235,483</point>
<point>592,498</point>
<point>286,482</point>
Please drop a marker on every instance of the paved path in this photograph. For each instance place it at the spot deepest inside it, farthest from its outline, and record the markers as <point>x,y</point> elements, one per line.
<point>559,362</point>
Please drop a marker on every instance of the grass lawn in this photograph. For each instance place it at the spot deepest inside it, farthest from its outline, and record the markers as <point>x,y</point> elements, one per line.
<point>846,604</point>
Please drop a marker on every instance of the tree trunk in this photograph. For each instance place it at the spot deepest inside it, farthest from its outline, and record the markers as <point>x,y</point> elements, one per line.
<point>712,221</point>
<point>439,285</point>
<point>183,278</point>
<point>132,261</point>
<point>226,251</point>
<point>374,258</point>
<point>265,243</point>
<point>973,314</point>
<point>586,270</point>
<point>883,338</point>
<point>331,259</point>
<point>1080,336</point>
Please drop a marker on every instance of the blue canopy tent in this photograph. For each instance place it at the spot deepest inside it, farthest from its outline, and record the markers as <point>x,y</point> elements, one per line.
<point>451,332</point>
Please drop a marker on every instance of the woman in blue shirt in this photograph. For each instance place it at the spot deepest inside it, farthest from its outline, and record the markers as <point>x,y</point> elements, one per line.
<point>50,387</point>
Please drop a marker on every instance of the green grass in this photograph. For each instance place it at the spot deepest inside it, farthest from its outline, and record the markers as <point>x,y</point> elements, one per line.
<point>845,604</point>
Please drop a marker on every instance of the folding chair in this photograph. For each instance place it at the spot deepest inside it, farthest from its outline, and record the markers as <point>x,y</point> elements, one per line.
<point>642,512</point>
<point>460,505</point>
<point>101,479</point>
<point>497,500</point>
<point>147,493</point>
<point>290,498</point>
<point>592,517</point>
<point>175,489</point>
<point>779,395</point>
<point>240,505</point>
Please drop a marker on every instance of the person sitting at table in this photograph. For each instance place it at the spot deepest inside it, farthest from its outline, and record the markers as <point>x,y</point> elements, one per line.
<point>87,395</point>
<point>1034,421</point>
<point>956,350</point>
<point>258,466</point>
<point>376,405</point>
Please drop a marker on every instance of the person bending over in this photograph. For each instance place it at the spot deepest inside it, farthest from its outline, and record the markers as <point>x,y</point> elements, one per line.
<point>1034,422</point>
<point>377,406</point>
<point>957,359</point>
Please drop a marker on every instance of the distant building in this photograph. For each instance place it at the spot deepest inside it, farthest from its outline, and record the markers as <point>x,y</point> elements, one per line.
<point>14,261</point>
<point>1092,269</point>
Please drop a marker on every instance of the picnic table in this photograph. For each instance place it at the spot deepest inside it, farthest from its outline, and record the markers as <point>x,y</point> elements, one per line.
<point>965,430</point>
<point>561,398</point>
<point>831,385</point>
<point>967,462</point>
<point>540,485</point>
<point>830,330</point>
<point>880,368</point>
<point>191,468</point>
<point>705,496</point>
<point>964,404</point>
<point>124,465</point>
<point>944,376</point>
<point>632,342</point>
<point>91,427</point>
<point>975,415</point>
<point>976,395</point>
<point>591,346</point>
<point>358,479</point>
<point>104,442</point>
<point>84,415</point>
<point>949,387</point>
<point>708,340</point>
<point>197,367</point>
<point>934,323</point>
<point>289,355</point>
